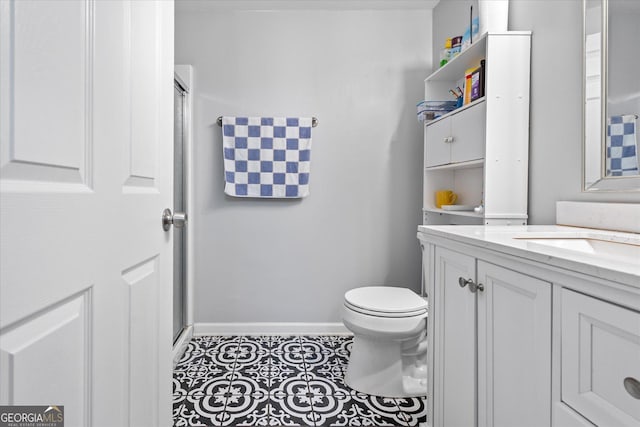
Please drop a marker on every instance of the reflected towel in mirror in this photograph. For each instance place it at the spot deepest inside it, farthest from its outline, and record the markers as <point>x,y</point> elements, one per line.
<point>622,149</point>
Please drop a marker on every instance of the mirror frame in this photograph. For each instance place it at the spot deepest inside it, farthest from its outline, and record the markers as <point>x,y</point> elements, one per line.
<point>604,183</point>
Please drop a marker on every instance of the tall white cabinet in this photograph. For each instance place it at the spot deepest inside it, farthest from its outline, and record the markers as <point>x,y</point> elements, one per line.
<point>480,151</point>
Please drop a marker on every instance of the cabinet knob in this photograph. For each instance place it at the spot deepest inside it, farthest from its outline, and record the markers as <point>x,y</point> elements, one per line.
<point>473,287</point>
<point>464,282</point>
<point>476,287</point>
<point>448,139</point>
<point>632,386</point>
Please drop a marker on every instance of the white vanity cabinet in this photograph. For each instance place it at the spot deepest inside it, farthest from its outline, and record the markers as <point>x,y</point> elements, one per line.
<point>525,334</point>
<point>480,150</point>
<point>492,344</point>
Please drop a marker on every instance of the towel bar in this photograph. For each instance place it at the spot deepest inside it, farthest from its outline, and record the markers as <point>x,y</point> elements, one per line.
<point>314,121</point>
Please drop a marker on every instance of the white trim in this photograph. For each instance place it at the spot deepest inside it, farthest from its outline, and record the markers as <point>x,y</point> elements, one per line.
<point>181,345</point>
<point>269,328</point>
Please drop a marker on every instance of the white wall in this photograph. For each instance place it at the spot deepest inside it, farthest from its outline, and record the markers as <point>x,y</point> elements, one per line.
<point>360,72</point>
<point>555,151</point>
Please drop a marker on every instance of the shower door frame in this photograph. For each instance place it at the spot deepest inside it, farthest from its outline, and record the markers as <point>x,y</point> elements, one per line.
<point>183,77</point>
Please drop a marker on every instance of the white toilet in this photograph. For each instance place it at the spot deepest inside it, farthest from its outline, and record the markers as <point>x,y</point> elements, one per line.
<point>388,357</point>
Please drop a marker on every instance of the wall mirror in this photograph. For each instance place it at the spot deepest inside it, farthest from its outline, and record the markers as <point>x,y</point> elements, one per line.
<point>611,95</point>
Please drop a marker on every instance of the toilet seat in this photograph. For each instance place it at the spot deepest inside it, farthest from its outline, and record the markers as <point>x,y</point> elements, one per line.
<point>384,301</point>
<point>384,314</point>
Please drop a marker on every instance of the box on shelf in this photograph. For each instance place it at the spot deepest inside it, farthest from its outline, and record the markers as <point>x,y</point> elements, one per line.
<point>477,82</point>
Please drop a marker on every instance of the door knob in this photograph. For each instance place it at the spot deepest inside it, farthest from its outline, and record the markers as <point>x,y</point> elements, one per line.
<point>179,219</point>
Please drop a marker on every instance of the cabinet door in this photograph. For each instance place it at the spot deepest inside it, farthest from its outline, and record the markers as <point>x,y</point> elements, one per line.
<point>564,416</point>
<point>454,358</point>
<point>514,349</point>
<point>437,150</point>
<point>600,360</point>
<point>468,130</point>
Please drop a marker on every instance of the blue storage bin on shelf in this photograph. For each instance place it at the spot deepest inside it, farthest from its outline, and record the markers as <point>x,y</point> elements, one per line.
<point>429,110</point>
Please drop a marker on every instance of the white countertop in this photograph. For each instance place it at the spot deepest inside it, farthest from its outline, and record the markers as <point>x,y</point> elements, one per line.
<point>509,240</point>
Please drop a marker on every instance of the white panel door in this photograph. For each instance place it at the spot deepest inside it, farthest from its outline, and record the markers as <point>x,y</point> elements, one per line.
<point>455,352</point>
<point>468,129</point>
<point>437,151</point>
<point>514,349</point>
<point>85,172</point>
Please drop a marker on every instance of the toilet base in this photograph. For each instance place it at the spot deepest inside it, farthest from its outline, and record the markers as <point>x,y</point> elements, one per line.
<point>376,367</point>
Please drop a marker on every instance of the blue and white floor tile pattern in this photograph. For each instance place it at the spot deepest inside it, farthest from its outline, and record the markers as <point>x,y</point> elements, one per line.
<point>278,381</point>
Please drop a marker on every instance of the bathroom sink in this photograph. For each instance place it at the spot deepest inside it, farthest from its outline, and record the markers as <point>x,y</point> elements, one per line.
<point>627,250</point>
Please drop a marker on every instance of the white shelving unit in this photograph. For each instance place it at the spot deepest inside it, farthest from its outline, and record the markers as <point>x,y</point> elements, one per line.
<point>480,151</point>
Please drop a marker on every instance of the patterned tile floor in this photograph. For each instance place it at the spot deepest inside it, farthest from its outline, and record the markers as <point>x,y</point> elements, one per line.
<point>281,381</point>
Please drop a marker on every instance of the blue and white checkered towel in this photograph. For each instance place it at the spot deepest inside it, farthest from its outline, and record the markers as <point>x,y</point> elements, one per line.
<point>622,149</point>
<point>266,156</point>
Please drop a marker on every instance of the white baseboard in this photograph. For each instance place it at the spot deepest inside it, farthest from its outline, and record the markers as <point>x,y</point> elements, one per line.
<point>269,328</point>
<point>180,345</point>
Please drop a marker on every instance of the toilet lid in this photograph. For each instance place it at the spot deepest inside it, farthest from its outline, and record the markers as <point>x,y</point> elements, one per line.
<point>386,300</point>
